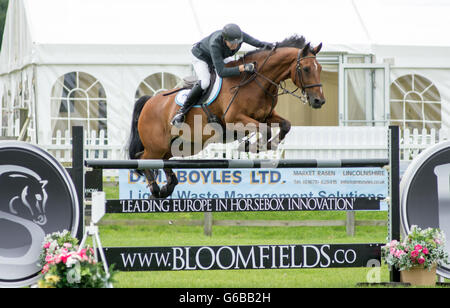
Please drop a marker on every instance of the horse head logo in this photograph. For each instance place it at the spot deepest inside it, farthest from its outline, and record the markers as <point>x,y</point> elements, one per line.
<point>24,192</point>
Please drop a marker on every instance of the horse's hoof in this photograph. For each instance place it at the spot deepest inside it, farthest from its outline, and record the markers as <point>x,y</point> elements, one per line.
<point>155,193</point>
<point>154,197</point>
<point>165,192</point>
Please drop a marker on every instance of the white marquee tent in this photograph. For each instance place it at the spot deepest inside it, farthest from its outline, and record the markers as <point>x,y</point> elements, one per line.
<point>66,62</point>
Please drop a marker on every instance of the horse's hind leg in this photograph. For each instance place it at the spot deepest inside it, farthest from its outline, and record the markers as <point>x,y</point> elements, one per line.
<point>151,176</point>
<point>172,181</point>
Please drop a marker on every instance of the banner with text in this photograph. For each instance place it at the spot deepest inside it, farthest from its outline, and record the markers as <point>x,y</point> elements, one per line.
<point>243,257</point>
<point>265,183</point>
<point>241,205</point>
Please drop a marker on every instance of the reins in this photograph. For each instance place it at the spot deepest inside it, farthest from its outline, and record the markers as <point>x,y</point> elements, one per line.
<point>279,86</point>
<point>245,82</point>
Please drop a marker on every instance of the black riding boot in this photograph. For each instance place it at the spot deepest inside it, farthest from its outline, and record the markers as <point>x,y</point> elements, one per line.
<point>191,100</point>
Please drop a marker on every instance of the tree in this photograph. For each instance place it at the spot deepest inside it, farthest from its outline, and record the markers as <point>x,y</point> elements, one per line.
<point>3,8</point>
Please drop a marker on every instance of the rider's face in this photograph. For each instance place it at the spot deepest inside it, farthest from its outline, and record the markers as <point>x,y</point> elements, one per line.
<point>232,46</point>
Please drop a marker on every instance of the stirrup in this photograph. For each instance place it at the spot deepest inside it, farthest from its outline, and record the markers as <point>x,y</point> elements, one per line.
<point>178,119</point>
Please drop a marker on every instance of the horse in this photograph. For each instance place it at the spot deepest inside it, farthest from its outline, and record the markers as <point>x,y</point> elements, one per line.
<point>247,101</point>
<point>26,196</point>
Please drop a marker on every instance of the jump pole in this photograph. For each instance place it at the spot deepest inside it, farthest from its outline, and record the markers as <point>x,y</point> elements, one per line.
<point>233,163</point>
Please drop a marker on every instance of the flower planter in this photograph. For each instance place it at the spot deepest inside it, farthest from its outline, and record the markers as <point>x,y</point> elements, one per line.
<point>419,276</point>
<point>419,248</point>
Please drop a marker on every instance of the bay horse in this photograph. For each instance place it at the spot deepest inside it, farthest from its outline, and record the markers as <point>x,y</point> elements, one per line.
<point>248,103</point>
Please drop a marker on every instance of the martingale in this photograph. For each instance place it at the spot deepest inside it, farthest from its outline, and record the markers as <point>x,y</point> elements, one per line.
<point>241,205</point>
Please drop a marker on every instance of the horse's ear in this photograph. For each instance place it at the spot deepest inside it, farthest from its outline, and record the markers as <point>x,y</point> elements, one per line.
<point>317,49</point>
<point>305,50</point>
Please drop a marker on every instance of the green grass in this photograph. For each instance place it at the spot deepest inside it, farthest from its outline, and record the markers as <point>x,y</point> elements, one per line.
<point>274,278</point>
<point>193,235</point>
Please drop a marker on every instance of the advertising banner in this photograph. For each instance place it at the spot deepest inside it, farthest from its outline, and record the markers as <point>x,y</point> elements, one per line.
<point>243,257</point>
<point>265,183</point>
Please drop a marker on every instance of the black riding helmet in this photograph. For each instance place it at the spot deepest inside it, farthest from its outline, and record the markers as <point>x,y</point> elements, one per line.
<point>232,33</point>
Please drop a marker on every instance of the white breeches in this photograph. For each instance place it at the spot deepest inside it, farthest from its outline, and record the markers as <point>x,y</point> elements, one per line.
<point>202,70</point>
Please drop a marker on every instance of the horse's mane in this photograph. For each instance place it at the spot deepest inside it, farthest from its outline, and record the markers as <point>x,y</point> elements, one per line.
<point>292,41</point>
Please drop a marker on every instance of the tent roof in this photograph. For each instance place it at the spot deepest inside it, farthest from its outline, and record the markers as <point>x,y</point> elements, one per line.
<point>117,31</point>
<point>127,22</point>
<point>187,21</point>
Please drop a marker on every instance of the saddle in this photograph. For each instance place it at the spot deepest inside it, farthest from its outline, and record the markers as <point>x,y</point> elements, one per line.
<point>207,98</point>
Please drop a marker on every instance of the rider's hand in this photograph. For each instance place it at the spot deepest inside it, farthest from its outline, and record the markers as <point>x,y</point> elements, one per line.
<point>249,68</point>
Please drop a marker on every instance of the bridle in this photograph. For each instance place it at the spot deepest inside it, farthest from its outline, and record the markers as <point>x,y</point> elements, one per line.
<point>298,68</point>
<point>299,74</point>
<point>302,97</point>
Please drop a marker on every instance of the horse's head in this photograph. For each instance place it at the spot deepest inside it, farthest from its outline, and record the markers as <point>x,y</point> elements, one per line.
<point>31,199</point>
<point>36,197</point>
<point>305,73</point>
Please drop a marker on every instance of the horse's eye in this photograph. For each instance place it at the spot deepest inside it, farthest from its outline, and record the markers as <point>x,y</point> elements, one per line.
<point>38,197</point>
<point>306,69</point>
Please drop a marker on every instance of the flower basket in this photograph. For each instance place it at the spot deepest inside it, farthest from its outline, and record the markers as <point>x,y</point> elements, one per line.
<point>64,265</point>
<point>417,256</point>
<point>419,276</point>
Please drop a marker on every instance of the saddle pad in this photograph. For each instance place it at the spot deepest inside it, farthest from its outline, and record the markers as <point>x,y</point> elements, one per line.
<point>182,95</point>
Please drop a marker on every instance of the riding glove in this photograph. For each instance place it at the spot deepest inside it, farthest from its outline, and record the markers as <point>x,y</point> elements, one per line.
<point>249,68</point>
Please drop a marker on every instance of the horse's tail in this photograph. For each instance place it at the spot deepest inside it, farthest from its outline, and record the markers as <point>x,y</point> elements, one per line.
<point>135,144</point>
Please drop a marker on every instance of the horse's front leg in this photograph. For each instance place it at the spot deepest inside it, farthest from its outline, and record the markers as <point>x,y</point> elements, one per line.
<point>259,141</point>
<point>242,128</point>
<point>275,120</point>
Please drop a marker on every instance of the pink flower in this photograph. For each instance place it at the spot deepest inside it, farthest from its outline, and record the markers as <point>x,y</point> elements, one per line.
<point>67,245</point>
<point>49,259</point>
<point>437,241</point>
<point>45,269</point>
<point>399,253</point>
<point>64,258</point>
<point>47,245</point>
<point>421,260</point>
<point>83,254</point>
<point>425,250</point>
<point>418,247</point>
<point>414,253</point>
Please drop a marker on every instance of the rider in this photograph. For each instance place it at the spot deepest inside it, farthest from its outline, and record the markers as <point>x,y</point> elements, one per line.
<point>212,51</point>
